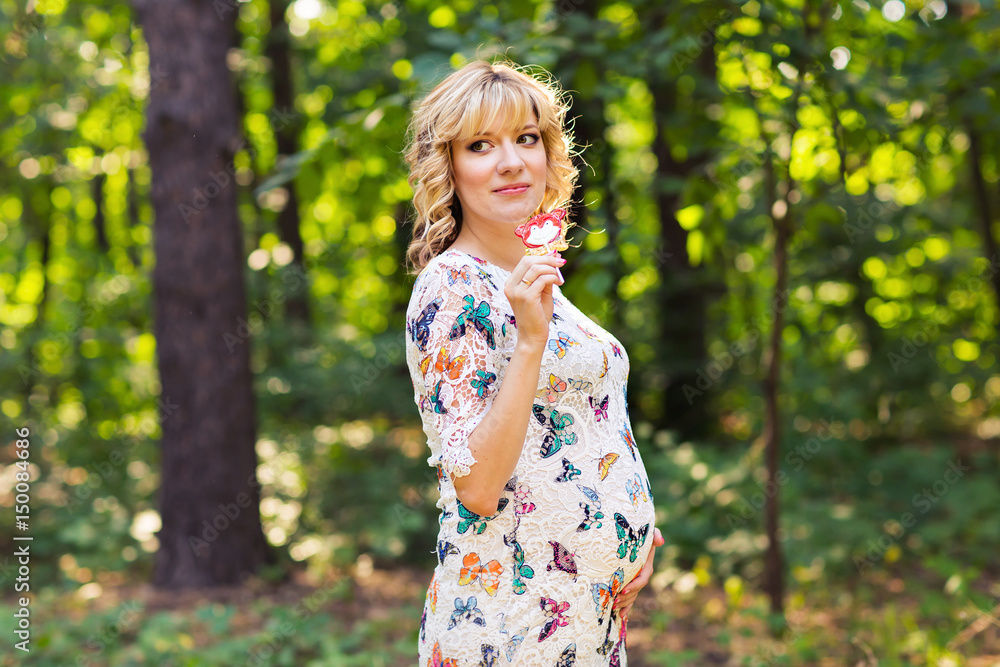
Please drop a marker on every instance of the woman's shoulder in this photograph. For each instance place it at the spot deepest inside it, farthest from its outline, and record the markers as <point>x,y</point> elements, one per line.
<point>450,283</point>
<point>456,270</point>
<point>451,259</point>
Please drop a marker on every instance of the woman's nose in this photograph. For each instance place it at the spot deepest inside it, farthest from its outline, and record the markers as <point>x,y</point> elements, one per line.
<point>509,158</point>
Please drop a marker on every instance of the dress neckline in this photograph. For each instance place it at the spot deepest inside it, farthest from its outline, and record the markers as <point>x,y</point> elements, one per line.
<point>479,259</point>
<point>555,288</point>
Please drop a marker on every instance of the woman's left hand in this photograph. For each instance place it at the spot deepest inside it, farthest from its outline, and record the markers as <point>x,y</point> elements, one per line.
<point>630,592</point>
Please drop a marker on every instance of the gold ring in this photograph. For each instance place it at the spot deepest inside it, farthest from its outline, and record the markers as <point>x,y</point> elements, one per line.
<point>526,281</point>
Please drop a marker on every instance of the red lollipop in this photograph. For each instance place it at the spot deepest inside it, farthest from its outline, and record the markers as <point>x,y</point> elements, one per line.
<point>544,234</point>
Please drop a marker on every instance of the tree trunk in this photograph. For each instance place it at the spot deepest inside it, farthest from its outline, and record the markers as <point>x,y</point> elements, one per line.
<point>983,205</point>
<point>209,494</point>
<point>37,330</point>
<point>681,301</point>
<point>133,217</point>
<point>589,128</point>
<point>97,194</point>
<point>781,220</point>
<point>286,135</point>
<point>773,562</point>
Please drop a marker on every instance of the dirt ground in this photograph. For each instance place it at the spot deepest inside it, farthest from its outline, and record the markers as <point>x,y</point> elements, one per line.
<point>665,628</point>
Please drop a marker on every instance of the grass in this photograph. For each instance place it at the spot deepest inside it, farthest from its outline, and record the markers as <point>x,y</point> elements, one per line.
<point>371,619</point>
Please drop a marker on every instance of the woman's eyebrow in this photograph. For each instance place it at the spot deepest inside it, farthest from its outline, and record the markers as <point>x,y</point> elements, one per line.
<point>490,134</point>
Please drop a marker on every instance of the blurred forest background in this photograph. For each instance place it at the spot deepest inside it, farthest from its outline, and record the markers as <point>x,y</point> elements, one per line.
<point>789,214</point>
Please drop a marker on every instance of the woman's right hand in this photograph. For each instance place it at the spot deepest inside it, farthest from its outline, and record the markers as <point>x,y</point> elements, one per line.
<point>532,304</point>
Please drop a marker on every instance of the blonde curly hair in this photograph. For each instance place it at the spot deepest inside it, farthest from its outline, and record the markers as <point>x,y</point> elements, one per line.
<point>463,105</point>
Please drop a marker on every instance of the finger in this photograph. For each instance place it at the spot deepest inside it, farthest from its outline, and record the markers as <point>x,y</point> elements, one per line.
<point>633,587</point>
<point>640,580</point>
<point>541,282</point>
<point>537,262</point>
<point>658,540</point>
<point>646,572</point>
<point>626,600</point>
<point>534,271</point>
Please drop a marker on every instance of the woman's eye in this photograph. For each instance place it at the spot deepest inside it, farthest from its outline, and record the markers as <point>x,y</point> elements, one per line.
<point>473,145</point>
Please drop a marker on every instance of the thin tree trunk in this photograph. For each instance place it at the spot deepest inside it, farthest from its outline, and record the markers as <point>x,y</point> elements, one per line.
<point>590,128</point>
<point>682,300</point>
<point>286,134</point>
<point>38,326</point>
<point>774,582</point>
<point>773,564</point>
<point>131,188</point>
<point>209,495</point>
<point>782,222</point>
<point>132,197</point>
<point>257,280</point>
<point>97,194</point>
<point>983,205</point>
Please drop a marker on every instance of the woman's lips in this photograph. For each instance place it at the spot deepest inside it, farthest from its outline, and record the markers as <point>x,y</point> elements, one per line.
<point>512,191</point>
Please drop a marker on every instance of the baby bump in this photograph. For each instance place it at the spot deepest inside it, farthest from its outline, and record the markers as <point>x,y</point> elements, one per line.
<point>596,530</point>
<point>616,537</point>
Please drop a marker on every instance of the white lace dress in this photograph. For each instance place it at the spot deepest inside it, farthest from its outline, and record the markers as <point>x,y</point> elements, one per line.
<point>533,584</point>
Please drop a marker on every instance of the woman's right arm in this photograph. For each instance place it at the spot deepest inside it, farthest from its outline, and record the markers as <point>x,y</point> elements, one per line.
<point>497,441</point>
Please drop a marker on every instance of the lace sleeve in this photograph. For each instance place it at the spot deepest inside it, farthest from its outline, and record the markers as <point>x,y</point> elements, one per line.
<point>453,350</point>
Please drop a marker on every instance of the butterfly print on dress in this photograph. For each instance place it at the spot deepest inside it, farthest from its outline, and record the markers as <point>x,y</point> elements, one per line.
<point>569,472</point>
<point>488,575</point>
<point>558,433</point>
<point>630,539</point>
<point>467,611</point>
<point>472,520</point>
<point>420,329</point>
<point>554,613</point>
<point>478,317</point>
<point>562,559</point>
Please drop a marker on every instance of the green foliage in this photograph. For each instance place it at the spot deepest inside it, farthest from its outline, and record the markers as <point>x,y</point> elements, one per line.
<point>874,124</point>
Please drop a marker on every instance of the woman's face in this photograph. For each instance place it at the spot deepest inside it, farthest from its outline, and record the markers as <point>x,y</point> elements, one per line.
<point>486,164</point>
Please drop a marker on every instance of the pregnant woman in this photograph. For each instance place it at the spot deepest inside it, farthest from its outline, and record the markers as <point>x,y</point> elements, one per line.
<point>547,521</point>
